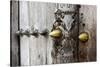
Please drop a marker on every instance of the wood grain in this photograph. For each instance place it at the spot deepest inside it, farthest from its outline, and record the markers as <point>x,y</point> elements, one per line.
<point>65,48</point>
<point>14,42</point>
<point>87,51</point>
<point>40,50</point>
<point>24,40</point>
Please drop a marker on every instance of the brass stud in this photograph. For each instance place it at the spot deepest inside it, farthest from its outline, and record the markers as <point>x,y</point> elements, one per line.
<point>55,33</point>
<point>83,37</point>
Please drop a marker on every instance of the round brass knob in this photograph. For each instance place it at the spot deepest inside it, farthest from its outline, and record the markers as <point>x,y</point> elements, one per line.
<point>83,37</point>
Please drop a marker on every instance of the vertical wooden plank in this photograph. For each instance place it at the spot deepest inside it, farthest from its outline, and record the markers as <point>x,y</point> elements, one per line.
<point>87,51</point>
<point>72,25</point>
<point>24,40</point>
<point>14,43</point>
<point>50,18</point>
<point>66,51</point>
<point>37,44</point>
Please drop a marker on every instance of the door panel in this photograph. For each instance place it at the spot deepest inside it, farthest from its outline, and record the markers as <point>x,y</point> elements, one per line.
<point>39,49</point>
<point>43,49</point>
<point>37,21</point>
<point>39,15</point>
<point>87,51</point>
<point>24,40</point>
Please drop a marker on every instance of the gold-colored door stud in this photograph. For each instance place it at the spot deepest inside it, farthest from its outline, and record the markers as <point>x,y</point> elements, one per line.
<point>83,37</point>
<point>55,33</point>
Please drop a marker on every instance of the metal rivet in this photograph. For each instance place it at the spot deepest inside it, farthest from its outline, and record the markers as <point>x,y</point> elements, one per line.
<point>83,37</point>
<point>55,33</point>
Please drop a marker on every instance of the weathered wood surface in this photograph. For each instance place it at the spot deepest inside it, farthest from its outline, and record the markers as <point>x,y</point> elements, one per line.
<point>37,20</point>
<point>14,43</point>
<point>42,50</point>
<point>64,49</point>
<point>24,40</point>
<point>41,16</point>
<point>87,51</point>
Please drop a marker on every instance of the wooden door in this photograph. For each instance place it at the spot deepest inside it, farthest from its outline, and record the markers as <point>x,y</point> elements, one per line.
<point>44,49</point>
<point>40,50</point>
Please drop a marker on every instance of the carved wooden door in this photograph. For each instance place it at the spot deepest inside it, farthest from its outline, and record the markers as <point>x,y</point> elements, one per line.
<point>36,20</point>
